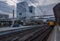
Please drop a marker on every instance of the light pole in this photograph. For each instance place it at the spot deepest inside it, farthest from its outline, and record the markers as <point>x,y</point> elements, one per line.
<point>15,6</point>
<point>13,14</point>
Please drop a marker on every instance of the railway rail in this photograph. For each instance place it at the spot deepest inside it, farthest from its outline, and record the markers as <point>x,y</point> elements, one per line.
<point>26,33</point>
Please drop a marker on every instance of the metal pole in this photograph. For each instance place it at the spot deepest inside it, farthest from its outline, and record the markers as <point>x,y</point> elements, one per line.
<point>13,14</point>
<point>12,19</point>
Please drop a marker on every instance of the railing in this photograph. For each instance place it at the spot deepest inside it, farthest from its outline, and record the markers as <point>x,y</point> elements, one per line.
<point>28,33</point>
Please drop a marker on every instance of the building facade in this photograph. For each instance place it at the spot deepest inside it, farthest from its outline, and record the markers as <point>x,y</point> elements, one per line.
<point>56,10</point>
<point>25,11</point>
<point>4,16</point>
<point>22,9</point>
<point>32,11</point>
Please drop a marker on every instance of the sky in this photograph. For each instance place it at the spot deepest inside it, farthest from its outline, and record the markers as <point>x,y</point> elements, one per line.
<point>32,2</point>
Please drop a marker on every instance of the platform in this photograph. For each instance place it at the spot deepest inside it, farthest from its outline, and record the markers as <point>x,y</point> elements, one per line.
<point>55,34</point>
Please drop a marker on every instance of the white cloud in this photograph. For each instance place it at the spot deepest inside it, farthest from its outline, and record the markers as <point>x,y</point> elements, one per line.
<point>32,2</point>
<point>10,2</point>
<point>47,2</point>
<point>42,2</point>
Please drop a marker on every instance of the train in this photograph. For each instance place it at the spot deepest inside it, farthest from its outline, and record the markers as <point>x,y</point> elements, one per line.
<point>51,23</point>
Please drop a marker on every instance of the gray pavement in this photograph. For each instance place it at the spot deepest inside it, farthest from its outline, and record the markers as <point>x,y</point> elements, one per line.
<point>55,34</point>
<point>58,34</point>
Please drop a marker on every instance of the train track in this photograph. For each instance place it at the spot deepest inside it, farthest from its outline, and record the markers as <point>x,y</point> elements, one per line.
<point>30,33</point>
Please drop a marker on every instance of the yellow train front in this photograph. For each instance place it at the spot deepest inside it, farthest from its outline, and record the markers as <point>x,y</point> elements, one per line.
<point>51,23</point>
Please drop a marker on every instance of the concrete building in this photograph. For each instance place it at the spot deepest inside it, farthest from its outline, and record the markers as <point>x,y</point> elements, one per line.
<point>25,12</point>
<point>57,12</point>
<point>22,10</point>
<point>4,16</point>
<point>32,11</point>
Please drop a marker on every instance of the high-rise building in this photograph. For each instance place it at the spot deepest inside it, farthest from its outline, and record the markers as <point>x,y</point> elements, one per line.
<point>25,11</point>
<point>22,9</point>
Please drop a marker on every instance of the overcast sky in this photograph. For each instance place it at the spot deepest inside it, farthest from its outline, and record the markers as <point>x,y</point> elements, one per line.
<point>32,2</point>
